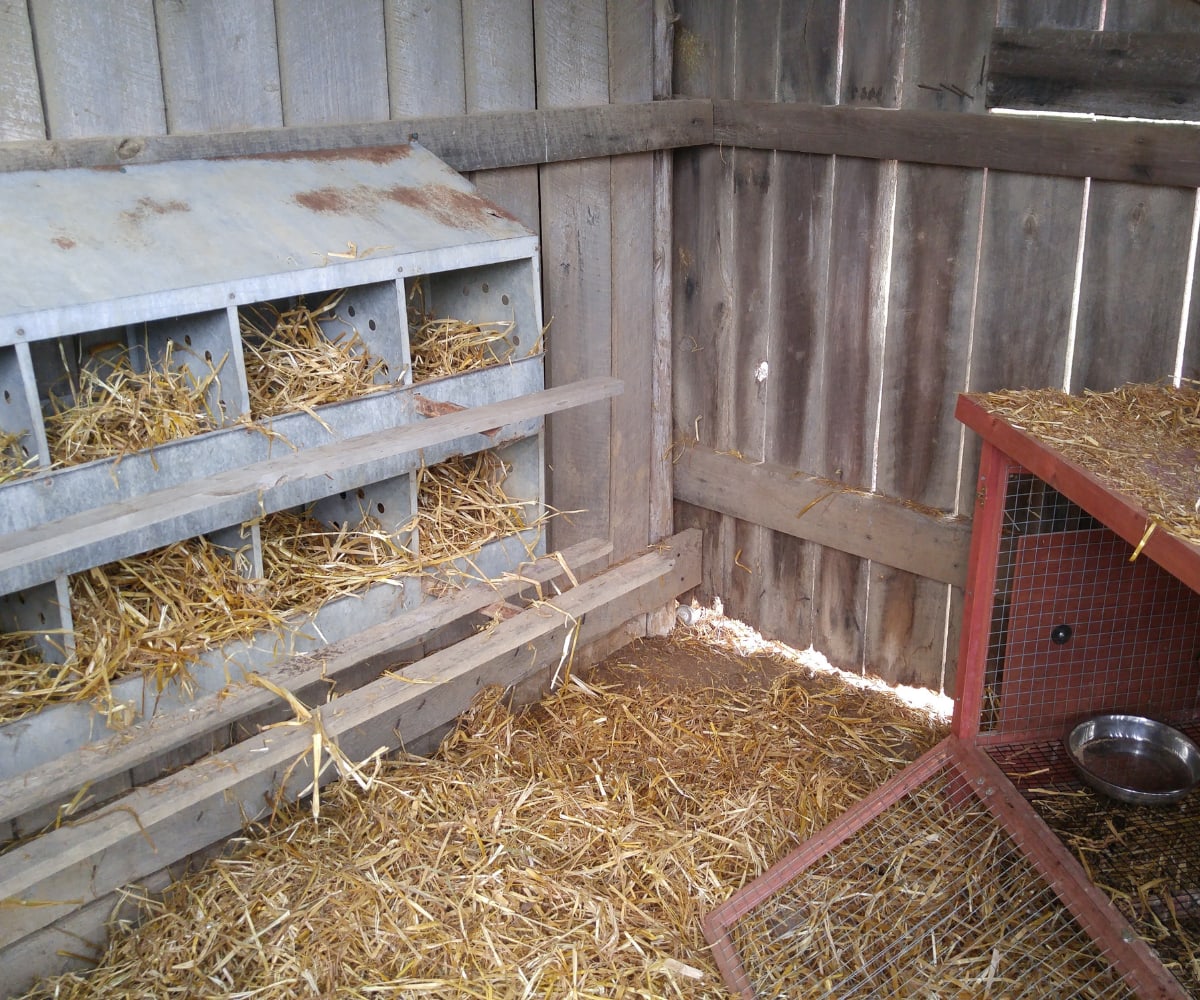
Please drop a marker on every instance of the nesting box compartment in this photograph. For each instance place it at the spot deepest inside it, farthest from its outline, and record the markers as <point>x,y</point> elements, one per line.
<point>183,266</point>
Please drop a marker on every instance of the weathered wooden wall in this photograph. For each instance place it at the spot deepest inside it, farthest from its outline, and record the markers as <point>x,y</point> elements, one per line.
<point>828,309</point>
<point>144,68</point>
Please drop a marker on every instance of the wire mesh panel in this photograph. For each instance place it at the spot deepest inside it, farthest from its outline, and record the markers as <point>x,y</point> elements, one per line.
<point>923,893</point>
<point>1146,859</point>
<point>1077,628</point>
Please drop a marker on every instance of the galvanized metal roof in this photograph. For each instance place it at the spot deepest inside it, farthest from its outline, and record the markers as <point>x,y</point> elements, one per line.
<point>88,247</point>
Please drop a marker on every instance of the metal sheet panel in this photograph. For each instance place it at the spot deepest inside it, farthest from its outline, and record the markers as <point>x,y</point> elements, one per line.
<point>88,248</point>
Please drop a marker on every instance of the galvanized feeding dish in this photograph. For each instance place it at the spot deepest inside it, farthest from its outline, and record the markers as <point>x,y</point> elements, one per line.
<point>1134,759</point>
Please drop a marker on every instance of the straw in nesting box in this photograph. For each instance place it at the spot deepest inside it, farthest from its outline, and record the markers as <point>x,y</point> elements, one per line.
<point>292,363</point>
<point>308,563</point>
<point>461,506</point>
<point>28,682</point>
<point>447,346</point>
<point>1141,440</point>
<point>116,410</point>
<point>153,615</point>
<point>14,462</point>
<point>566,851</point>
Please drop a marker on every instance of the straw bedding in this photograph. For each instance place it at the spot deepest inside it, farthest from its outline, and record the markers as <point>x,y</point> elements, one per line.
<point>13,460</point>
<point>1123,849</point>
<point>116,409</point>
<point>157,613</point>
<point>1141,440</point>
<point>566,851</point>
<point>293,362</point>
<point>444,346</point>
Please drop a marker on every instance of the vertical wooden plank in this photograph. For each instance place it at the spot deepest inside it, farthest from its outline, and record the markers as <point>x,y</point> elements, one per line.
<point>797,261</point>
<point>425,71</point>
<point>99,67</point>
<point>845,420</point>
<point>1030,246</point>
<point>1135,253</point>
<point>934,261</point>
<point>20,95</point>
<point>1151,15</point>
<point>1191,328</point>
<point>220,64</point>
<point>1134,272</point>
<point>631,186</point>
<point>662,484</point>
<point>571,43</point>
<point>499,72</point>
<point>332,61</point>
<point>703,319</point>
<point>742,385</point>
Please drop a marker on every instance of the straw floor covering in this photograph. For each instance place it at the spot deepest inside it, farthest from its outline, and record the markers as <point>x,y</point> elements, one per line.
<point>567,850</point>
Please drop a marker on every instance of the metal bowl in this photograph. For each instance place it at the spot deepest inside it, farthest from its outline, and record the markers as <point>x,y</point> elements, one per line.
<point>1134,759</point>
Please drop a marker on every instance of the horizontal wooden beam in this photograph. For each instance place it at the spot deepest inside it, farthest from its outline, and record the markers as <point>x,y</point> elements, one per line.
<point>151,827</point>
<point>1141,153</point>
<point>310,676</point>
<point>1152,75</point>
<point>121,529</point>
<point>484,141</point>
<point>868,525</point>
<point>1121,151</point>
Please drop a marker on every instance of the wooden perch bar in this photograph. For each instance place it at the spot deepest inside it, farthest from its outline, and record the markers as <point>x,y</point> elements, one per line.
<point>308,676</point>
<point>867,525</point>
<point>151,827</point>
<point>117,530</point>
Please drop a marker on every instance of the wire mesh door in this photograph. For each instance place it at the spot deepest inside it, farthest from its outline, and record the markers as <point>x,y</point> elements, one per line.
<point>933,887</point>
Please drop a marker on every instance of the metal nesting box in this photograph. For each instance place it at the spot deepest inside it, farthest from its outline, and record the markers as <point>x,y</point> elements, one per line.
<point>92,248</point>
<point>170,261</point>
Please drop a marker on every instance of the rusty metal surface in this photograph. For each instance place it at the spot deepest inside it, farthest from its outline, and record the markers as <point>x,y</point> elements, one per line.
<point>90,248</point>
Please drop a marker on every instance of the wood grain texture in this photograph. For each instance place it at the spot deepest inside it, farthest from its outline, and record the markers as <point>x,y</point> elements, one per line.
<point>20,93</point>
<point>220,65</point>
<point>632,196</point>
<point>499,70</point>
<point>332,61</point>
<point>571,45</point>
<point>1134,272</point>
<point>1151,15</point>
<point>466,142</point>
<point>1108,150</point>
<point>702,232</point>
<point>868,525</point>
<point>1152,74</point>
<point>1029,248</point>
<point>844,417</point>
<point>425,58</point>
<point>801,208</point>
<point>99,67</point>
<point>1049,13</point>
<point>751,204</point>
<point>930,297</point>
